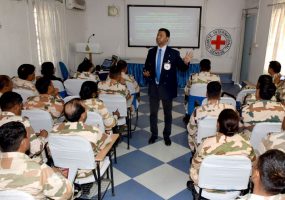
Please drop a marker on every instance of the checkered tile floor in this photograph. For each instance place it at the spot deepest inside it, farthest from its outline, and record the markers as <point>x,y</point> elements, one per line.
<point>153,172</point>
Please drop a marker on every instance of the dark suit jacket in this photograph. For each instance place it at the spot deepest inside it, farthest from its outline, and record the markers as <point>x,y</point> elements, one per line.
<point>167,88</point>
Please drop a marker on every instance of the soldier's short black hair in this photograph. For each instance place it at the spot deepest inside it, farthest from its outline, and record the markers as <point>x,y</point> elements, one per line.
<point>10,99</point>
<point>85,65</point>
<point>214,89</point>
<point>264,79</point>
<point>228,122</point>
<point>42,85</point>
<point>4,81</point>
<point>47,69</point>
<point>114,71</point>
<point>25,70</point>
<point>88,89</point>
<point>11,135</point>
<point>205,65</point>
<point>121,64</point>
<point>267,91</point>
<point>275,66</point>
<point>73,110</point>
<point>167,32</point>
<point>271,167</point>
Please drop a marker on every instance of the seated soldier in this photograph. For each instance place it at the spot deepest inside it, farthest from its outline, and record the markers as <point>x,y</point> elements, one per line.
<point>75,114</point>
<point>11,104</point>
<point>113,85</point>
<point>263,110</point>
<point>6,85</point>
<point>88,94</point>
<point>47,99</point>
<point>227,142</point>
<point>26,76</point>
<point>274,70</point>
<point>212,108</point>
<point>48,71</point>
<point>268,177</point>
<point>19,172</point>
<point>204,76</point>
<point>84,71</point>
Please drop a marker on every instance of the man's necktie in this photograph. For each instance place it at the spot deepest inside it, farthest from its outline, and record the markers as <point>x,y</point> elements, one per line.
<point>158,63</point>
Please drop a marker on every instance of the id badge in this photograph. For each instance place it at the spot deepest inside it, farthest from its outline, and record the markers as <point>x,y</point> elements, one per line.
<point>167,66</point>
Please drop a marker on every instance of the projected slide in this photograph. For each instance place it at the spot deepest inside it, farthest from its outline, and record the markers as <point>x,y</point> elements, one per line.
<point>183,23</point>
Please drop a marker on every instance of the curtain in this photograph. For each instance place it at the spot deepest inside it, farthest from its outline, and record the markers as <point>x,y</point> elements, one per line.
<point>49,18</point>
<point>276,38</point>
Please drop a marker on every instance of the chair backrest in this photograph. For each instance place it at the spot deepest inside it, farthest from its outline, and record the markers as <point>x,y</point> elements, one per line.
<point>63,70</point>
<point>95,119</point>
<point>225,100</point>
<point>59,85</point>
<point>199,89</point>
<point>114,102</point>
<point>24,93</point>
<point>72,152</point>
<point>73,86</point>
<point>131,87</point>
<point>68,98</point>
<point>221,172</point>
<point>15,195</point>
<point>39,119</point>
<point>206,127</point>
<point>261,130</point>
<point>243,93</point>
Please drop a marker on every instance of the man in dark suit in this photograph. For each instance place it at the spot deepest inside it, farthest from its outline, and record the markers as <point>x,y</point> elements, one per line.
<point>161,66</point>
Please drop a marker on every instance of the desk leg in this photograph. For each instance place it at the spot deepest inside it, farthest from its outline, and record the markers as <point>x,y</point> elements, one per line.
<point>112,177</point>
<point>99,180</point>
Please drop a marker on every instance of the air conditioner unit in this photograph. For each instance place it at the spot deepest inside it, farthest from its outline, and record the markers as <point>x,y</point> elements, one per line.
<point>76,4</point>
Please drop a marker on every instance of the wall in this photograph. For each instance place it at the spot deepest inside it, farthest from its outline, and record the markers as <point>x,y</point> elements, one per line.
<point>111,32</point>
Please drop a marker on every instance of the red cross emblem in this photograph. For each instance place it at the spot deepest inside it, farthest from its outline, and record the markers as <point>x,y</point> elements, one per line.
<point>218,42</point>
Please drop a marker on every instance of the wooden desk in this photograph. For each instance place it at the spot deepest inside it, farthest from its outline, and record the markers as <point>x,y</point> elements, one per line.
<point>249,83</point>
<point>103,153</point>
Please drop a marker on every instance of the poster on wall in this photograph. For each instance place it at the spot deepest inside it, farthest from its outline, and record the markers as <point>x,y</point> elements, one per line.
<point>219,42</point>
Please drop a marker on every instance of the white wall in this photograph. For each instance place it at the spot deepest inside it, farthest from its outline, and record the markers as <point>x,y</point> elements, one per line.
<point>111,32</point>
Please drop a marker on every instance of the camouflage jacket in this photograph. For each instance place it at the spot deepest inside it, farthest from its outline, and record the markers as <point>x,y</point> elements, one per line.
<point>273,141</point>
<point>86,75</point>
<point>202,77</point>
<point>200,113</point>
<point>19,172</point>
<point>96,105</point>
<point>131,79</point>
<point>52,104</point>
<point>258,197</point>
<point>220,145</point>
<point>24,84</point>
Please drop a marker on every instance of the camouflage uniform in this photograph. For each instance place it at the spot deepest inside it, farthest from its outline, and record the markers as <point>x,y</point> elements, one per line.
<point>220,145</point>
<point>131,79</point>
<point>258,197</point>
<point>86,75</point>
<point>24,84</point>
<point>96,105</point>
<point>52,104</point>
<point>280,92</point>
<point>261,111</point>
<point>19,172</point>
<point>111,86</point>
<point>97,139</point>
<point>273,141</point>
<point>202,77</point>
<point>37,143</point>
<point>200,113</point>
<point>251,98</point>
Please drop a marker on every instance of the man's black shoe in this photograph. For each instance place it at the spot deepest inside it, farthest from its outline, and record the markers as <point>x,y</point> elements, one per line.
<point>190,185</point>
<point>167,141</point>
<point>152,140</point>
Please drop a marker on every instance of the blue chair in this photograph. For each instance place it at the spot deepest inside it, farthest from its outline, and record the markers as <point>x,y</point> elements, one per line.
<point>64,71</point>
<point>197,94</point>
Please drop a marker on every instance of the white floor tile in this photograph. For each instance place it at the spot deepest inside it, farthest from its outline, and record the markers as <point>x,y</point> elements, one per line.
<point>119,177</point>
<point>174,129</point>
<point>122,149</point>
<point>165,153</point>
<point>165,180</point>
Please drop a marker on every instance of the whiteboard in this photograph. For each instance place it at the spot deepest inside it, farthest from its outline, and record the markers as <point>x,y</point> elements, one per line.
<point>183,22</point>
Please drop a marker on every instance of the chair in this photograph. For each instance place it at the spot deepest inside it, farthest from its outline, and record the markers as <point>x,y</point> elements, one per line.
<point>61,90</point>
<point>261,130</point>
<point>114,102</point>
<point>15,195</point>
<point>24,93</point>
<point>95,119</point>
<point>241,95</point>
<point>135,102</point>
<point>68,98</point>
<point>197,94</point>
<point>206,127</point>
<point>228,173</point>
<point>75,152</point>
<point>225,100</point>
<point>73,86</point>
<point>39,119</point>
<point>63,70</point>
